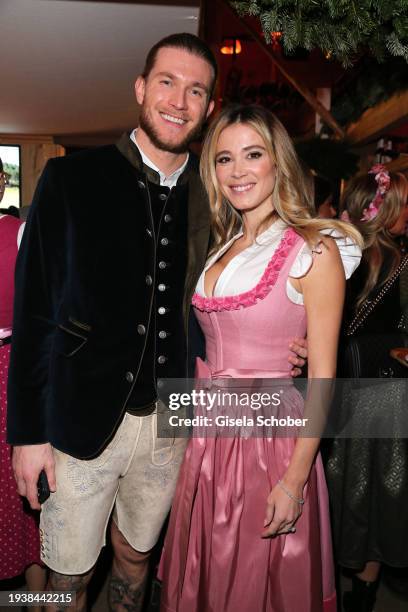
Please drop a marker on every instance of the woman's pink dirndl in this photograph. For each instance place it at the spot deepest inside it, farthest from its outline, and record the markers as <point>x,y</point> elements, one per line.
<point>19,535</point>
<point>214,558</point>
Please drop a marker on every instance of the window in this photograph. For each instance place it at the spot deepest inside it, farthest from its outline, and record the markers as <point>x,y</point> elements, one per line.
<point>10,156</point>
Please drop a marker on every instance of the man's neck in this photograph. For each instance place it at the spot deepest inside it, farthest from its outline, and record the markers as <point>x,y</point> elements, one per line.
<point>166,162</point>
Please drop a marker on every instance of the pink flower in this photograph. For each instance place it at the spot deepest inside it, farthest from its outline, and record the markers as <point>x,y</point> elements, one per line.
<point>383,181</point>
<point>370,213</point>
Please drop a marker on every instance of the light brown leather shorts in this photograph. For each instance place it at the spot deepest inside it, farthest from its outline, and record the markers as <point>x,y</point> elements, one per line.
<point>135,477</point>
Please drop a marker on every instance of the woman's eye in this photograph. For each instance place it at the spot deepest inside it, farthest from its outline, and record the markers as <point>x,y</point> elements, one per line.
<point>223,160</point>
<point>255,155</point>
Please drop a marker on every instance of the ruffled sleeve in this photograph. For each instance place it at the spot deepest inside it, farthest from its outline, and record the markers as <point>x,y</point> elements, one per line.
<point>350,254</point>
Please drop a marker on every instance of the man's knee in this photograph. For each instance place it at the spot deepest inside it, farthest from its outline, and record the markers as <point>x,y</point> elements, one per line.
<point>64,582</point>
<point>124,554</point>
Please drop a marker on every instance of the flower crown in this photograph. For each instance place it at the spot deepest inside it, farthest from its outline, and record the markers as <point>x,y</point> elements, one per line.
<point>383,181</point>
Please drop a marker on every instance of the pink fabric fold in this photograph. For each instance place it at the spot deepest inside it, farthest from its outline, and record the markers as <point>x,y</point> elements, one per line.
<point>204,373</point>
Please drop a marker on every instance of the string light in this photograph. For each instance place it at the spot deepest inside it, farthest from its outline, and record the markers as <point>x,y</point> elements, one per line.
<point>231,46</point>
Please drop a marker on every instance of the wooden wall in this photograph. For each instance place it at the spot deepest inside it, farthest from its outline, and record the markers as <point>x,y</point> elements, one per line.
<point>35,151</point>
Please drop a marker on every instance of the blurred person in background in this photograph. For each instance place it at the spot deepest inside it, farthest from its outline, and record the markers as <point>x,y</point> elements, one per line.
<point>368,478</point>
<point>19,534</point>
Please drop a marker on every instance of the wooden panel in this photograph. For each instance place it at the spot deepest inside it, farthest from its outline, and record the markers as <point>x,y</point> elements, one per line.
<point>153,2</point>
<point>377,120</point>
<point>33,159</point>
<point>400,164</point>
<point>10,139</point>
<point>35,150</point>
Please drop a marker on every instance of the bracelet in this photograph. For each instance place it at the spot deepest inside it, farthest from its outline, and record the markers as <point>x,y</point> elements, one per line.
<point>300,501</point>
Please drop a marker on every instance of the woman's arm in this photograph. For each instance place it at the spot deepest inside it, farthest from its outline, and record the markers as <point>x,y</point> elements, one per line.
<point>323,289</point>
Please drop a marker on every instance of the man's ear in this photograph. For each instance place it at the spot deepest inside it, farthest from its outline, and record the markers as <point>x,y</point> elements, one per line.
<point>140,88</point>
<point>210,108</point>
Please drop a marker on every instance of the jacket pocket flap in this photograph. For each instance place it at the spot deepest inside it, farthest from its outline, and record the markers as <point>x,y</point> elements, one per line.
<point>68,341</point>
<point>79,324</point>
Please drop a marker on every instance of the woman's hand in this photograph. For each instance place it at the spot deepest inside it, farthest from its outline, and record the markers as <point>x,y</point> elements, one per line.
<point>282,512</point>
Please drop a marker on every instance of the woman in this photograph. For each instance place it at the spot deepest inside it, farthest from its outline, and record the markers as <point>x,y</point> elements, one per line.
<point>368,478</point>
<point>249,528</point>
<point>19,536</point>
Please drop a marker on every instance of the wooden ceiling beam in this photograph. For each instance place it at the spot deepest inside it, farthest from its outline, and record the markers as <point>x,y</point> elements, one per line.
<point>377,120</point>
<point>16,139</point>
<point>400,164</point>
<point>304,91</point>
<point>153,2</point>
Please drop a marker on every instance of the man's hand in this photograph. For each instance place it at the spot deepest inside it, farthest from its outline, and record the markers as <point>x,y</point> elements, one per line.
<point>298,346</point>
<point>28,461</point>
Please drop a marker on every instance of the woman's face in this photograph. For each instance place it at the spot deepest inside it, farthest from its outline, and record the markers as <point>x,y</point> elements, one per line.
<point>400,226</point>
<point>245,172</point>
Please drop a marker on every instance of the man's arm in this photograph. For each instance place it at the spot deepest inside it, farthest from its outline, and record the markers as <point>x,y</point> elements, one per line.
<point>298,355</point>
<point>38,289</point>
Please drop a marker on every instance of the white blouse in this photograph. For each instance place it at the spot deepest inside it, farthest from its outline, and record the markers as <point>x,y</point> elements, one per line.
<point>244,271</point>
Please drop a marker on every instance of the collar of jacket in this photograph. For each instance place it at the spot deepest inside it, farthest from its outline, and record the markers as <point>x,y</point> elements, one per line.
<point>198,214</point>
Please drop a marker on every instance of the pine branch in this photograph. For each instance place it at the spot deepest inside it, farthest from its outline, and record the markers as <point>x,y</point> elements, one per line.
<point>341,27</point>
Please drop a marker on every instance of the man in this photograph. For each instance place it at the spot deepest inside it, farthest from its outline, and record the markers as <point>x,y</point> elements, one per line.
<point>113,248</point>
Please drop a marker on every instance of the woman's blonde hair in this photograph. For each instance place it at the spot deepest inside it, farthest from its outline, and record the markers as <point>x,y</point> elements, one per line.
<point>379,243</point>
<point>292,196</point>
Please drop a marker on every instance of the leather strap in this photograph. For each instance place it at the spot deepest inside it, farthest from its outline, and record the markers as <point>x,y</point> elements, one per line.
<point>369,305</point>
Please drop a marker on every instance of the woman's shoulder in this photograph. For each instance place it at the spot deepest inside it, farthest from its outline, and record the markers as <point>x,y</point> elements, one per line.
<point>329,240</point>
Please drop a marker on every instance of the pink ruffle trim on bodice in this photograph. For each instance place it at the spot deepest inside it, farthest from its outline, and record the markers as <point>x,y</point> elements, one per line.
<point>261,289</point>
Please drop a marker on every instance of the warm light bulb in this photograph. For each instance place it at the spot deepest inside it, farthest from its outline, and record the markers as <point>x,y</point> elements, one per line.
<point>228,47</point>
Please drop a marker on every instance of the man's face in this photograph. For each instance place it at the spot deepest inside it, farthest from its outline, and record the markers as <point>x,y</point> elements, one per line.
<point>175,99</point>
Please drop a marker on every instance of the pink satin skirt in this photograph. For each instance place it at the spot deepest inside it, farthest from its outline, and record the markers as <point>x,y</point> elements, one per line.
<point>214,558</point>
